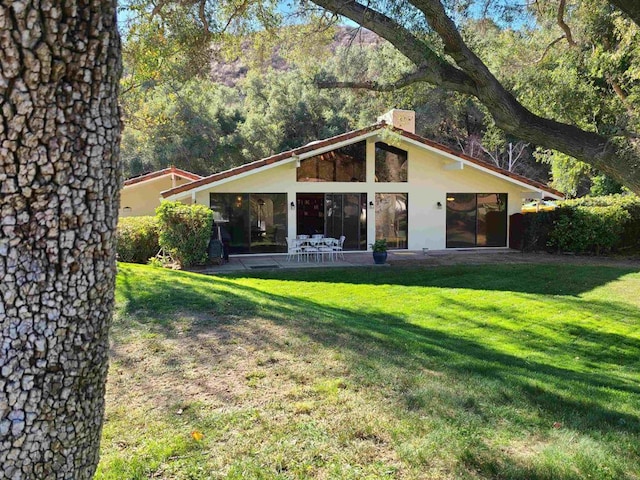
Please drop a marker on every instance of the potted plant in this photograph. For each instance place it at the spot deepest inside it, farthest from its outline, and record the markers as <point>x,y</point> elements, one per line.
<point>379,248</point>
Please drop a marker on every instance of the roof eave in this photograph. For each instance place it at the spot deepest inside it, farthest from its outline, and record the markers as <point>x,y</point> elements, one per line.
<point>296,154</point>
<point>338,141</point>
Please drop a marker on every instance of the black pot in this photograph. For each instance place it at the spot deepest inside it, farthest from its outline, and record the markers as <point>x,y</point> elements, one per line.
<point>379,257</point>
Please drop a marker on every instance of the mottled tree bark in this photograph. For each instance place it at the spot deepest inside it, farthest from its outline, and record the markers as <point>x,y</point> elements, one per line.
<point>59,184</point>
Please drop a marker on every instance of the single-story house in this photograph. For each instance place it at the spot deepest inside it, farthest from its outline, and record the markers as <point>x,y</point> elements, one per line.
<point>382,181</point>
<point>141,195</point>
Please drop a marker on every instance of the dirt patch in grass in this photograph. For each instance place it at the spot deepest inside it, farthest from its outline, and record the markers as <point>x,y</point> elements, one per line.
<point>213,361</point>
<point>296,391</point>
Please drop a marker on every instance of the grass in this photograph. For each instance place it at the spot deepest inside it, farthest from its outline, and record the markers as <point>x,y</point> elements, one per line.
<point>501,372</point>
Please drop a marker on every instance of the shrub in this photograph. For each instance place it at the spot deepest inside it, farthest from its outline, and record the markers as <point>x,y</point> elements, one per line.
<point>630,235</point>
<point>185,231</point>
<point>537,228</point>
<point>588,229</point>
<point>586,225</point>
<point>137,239</point>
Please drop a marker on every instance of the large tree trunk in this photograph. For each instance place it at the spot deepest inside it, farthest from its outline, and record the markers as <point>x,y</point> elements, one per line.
<point>59,184</point>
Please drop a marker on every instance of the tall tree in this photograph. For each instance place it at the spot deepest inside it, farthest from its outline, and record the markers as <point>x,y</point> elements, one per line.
<point>452,63</point>
<point>60,182</point>
<point>433,36</point>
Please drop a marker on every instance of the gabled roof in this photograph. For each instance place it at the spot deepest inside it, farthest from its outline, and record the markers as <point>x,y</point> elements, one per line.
<point>161,173</point>
<point>311,148</point>
<point>480,163</point>
<point>247,167</point>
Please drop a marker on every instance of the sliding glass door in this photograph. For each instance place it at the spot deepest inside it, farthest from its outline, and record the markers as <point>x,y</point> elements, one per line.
<point>476,220</point>
<point>391,219</point>
<point>253,223</point>
<point>334,215</point>
<point>346,214</point>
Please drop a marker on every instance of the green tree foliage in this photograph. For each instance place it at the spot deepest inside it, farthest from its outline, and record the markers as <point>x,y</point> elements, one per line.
<point>559,76</point>
<point>587,77</point>
<point>193,126</point>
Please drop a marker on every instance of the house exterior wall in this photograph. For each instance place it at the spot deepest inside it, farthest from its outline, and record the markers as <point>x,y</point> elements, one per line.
<point>428,183</point>
<point>143,198</point>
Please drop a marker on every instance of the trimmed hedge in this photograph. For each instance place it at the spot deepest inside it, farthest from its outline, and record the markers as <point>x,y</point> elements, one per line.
<point>586,225</point>
<point>588,229</point>
<point>630,235</point>
<point>137,239</point>
<point>185,231</point>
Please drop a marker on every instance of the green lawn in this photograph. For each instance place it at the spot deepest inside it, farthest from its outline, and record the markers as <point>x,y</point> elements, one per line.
<point>504,372</point>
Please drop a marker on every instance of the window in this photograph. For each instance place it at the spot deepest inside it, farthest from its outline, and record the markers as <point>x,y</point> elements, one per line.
<point>254,223</point>
<point>346,164</point>
<point>391,163</point>
<point>391,218</point>
<point>476,220</point>
<point>334,215</point>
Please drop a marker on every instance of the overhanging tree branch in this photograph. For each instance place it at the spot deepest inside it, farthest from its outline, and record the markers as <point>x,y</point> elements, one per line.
<point>630,7</point>
<point>619,159</point>
<point>563,25</point>
<point>436,70</point>
<point>546,50</point>
<point>405,81</point>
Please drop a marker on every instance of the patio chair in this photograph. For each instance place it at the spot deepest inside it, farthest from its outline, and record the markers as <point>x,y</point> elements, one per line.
<point>338,247</point>
<point>326,247</point>
<point>310,250</point>
<point>293,248</point>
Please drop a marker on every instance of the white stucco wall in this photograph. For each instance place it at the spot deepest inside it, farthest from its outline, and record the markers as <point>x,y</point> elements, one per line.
<point>143,198</point>
<point>428,183</point>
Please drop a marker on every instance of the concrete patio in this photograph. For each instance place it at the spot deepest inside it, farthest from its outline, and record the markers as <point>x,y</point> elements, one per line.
<point>239,263</point>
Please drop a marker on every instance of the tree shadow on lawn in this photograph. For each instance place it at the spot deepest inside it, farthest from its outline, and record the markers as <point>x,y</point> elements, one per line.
<point>578,342</point>
<point>375,341</point>
<point>525,278</point>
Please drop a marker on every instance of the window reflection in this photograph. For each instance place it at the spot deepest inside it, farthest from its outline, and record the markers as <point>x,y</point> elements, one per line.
<point>476,220</point>
<point>334,215</point>
<point>255,223</point>
<point>346,164</point>
<point>391,218</point>
<point>391,163</point>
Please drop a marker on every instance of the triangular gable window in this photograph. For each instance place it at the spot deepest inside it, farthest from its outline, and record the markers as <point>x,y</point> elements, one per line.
<point>345,164</point>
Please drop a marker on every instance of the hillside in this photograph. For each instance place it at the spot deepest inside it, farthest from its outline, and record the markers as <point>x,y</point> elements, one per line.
<point>230,73</point>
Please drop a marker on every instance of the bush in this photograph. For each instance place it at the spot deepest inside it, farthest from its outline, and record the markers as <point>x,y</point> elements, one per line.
<point>538,228</point>
<point>588,229</point>
<point>137,239</point>
<point>586,225</point>
<point>185,231</point>
<point>630,235</point>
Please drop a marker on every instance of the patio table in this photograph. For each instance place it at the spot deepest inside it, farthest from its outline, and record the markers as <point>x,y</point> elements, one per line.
<point>318,246</point>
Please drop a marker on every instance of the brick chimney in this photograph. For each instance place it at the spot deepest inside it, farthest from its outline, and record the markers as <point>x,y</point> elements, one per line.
<point>403,119</point>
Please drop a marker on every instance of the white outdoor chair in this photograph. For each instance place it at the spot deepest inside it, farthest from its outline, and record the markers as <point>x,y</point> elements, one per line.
<point>294,249</point>
<point>338,248</point>
<point>326,248</point>
<point>311,249</point>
